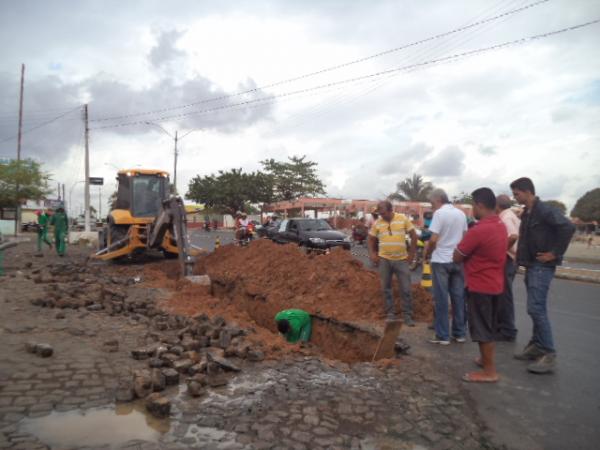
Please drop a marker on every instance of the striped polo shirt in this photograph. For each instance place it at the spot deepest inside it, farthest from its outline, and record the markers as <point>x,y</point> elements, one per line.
<point>392,236</point>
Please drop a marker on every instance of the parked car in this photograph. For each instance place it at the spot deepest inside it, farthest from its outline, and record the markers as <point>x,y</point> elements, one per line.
<point>29,227</point>
<point>310,233</point>
<point>269,230</point>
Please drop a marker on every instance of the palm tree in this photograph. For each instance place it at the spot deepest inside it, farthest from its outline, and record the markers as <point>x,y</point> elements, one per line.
<point>413,189</point>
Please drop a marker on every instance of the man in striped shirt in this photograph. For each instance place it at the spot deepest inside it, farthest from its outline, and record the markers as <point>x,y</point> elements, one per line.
<point>387,250</point>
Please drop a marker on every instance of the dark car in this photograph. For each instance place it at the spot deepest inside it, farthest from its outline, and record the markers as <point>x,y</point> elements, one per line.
<point>29,227</point>
<point>310,233</point>
<point>268,231</point>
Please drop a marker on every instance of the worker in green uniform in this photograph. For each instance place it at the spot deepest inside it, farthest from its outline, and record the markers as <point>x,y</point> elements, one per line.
<point>61,227</point>
<point>42,232</point>
<point>294,324</point>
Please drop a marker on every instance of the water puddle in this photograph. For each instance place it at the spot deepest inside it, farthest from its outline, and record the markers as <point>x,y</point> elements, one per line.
<point>96,427</point>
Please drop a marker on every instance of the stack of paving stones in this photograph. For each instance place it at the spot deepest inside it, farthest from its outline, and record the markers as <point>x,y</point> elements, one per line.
<point>299,403</point>
<point>199,351</point>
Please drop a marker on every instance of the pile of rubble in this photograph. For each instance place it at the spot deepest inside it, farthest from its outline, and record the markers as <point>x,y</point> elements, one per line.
<point>198,350</point>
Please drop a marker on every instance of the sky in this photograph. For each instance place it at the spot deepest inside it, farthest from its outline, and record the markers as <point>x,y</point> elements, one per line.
<point>237,79</point>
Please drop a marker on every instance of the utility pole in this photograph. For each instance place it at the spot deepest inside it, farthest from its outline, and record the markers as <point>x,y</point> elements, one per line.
<point>99,218</point>
<point>175,167</point>
<point>87,169</point>
<point>64,199</point>
<point>176,139</point>
<point>18,203</point>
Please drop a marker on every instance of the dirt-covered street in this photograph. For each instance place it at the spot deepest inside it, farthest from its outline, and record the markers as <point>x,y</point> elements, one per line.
<point>221,376</point>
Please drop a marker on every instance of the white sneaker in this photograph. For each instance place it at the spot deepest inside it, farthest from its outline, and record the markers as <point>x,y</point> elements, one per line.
<point>437,340</point>
<point>460,340</point>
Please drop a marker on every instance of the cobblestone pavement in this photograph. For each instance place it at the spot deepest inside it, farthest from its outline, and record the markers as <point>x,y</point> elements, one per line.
<point>301,403</point>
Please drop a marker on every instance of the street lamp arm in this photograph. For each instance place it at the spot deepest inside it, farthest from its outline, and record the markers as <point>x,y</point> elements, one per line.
<point>161,128</point>
<point>191,131</point>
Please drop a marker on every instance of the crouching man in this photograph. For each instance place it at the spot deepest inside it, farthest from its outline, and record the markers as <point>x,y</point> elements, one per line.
<point>294,324</point>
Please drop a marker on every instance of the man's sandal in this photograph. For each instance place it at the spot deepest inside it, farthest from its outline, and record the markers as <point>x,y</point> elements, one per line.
<point>478,377</point>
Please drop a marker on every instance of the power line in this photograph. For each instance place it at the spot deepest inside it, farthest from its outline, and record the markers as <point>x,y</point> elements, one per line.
<point>328,69</point>
<point>325,106</point>
<point>43,124</point>
<point>365,77</point>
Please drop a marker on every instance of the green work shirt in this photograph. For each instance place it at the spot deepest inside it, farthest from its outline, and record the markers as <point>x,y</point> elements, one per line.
<point>300,324</point>
<point>60,222</point>
<point>43,220</point>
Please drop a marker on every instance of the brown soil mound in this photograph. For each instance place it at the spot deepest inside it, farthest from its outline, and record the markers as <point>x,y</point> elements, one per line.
<point>252,284</point>
<point>282,276</point>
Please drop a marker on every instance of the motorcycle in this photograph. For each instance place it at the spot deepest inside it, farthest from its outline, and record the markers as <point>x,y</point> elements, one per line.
<point>359,234</point>
<point>245,234</point>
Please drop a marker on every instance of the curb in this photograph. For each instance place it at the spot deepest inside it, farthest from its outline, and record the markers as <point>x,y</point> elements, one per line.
<point>567,273</point>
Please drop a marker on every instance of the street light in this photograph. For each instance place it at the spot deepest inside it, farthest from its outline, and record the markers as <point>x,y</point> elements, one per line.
<point>70,192</point>
<point>112,165</point>
<point>175,139</point>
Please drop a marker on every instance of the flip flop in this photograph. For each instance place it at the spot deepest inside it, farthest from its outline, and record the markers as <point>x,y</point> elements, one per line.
<point>472,378</point>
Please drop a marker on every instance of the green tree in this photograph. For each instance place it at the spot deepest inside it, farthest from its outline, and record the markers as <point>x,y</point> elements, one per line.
<point>230,191</point>
<point>414,189</point>
<point>112,201</point>
<point>294,178</point>
<point>28,175</point>
<point>587,207</point>
<point>558,205</point>
<point>463,199</point>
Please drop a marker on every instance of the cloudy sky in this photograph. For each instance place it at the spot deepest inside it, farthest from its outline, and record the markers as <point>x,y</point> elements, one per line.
<point>213,69</point>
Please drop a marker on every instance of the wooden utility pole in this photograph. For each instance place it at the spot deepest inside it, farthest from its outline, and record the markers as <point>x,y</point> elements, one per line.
<point>87,169</point>
<point>18,203</point>
<point>175,167</point>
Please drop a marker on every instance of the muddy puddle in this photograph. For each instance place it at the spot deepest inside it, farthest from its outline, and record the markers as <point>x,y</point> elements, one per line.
<point>98,427</point>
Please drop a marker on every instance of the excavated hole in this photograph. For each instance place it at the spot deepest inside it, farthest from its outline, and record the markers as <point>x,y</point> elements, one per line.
<point>334,339</point>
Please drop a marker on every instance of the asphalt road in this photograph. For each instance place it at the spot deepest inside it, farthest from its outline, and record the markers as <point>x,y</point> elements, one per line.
<point>557,411</point>
<point>526,411</point>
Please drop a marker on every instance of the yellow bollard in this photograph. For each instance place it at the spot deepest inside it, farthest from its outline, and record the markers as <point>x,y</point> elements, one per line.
<point>217,242</point>
<point>426,281</point>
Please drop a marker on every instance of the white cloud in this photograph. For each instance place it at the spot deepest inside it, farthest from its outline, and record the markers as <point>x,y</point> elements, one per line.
<point>526,110</point>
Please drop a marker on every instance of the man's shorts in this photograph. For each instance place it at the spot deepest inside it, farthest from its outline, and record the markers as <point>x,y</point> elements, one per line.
<point>483,316</point>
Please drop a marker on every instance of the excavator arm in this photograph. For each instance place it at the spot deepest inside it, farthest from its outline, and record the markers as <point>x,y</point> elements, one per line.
<point>172,218</point>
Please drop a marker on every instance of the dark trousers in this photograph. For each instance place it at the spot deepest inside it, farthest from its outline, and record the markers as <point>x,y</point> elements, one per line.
<point>506,305</point>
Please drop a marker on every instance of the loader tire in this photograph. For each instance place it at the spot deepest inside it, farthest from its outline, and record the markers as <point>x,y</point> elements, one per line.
<point>169,255</point>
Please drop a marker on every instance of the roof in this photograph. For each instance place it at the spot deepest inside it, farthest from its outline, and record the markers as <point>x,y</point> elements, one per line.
<point>138,171</point>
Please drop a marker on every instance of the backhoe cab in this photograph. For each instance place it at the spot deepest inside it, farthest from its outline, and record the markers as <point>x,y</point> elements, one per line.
<point>145,217</point>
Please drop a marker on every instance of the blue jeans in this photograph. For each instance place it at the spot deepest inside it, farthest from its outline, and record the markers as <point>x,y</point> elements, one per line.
<point>506,306</point>
<point>448,278</point>
<point>387,269</point>
<point>537,281</point>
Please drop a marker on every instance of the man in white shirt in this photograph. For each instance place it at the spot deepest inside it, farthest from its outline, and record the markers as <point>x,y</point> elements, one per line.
<point>506,311</point>
<point>448,226</point>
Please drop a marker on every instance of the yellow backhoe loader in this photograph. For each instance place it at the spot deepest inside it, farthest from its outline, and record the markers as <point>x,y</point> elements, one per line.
<point>146,217</point>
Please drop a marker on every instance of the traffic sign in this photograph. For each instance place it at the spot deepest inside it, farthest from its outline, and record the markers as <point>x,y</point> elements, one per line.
<point>97,181</point>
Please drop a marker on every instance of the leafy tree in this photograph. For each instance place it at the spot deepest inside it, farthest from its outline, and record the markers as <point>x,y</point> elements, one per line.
<point>463,199</point>
<point>230,191</point>
<point>294,178</point>
<point>558,205</point>
<point>587,207</point>
<point>112,201</point>
<point>28,175</point>
<point>414,189</point>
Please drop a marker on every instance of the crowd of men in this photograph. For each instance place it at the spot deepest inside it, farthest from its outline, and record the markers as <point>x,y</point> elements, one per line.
<point>474,267</point>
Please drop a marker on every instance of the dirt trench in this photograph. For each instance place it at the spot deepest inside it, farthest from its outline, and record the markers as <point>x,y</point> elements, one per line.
<point>334,339</point>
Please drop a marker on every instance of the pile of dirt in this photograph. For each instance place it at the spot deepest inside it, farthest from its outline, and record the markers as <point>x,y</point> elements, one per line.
<point>250,285</point>
<point>334,285</point>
